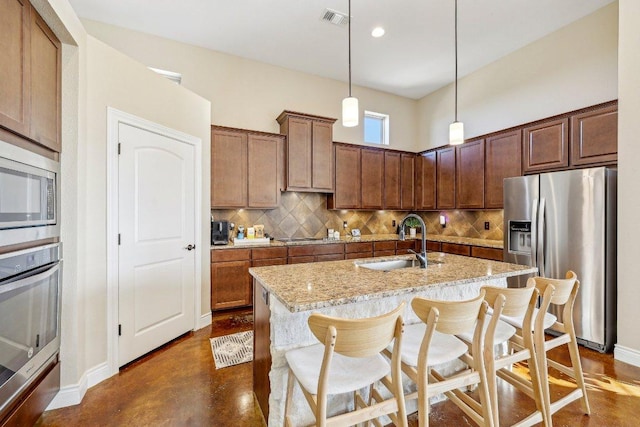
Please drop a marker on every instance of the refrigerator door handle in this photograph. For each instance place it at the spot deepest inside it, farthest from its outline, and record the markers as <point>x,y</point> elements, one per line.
<point>540,238</point>
<point>534,233</point>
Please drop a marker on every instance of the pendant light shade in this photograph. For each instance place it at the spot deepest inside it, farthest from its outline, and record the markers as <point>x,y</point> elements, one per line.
<point>456,133</point>
<point>350,112</point>
<point>456,129</point>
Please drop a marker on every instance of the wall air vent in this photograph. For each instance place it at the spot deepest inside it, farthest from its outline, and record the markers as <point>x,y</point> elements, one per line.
<point>334,17</point>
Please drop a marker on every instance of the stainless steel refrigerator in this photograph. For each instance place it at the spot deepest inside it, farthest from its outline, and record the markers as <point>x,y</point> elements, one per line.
<point>563,221</point>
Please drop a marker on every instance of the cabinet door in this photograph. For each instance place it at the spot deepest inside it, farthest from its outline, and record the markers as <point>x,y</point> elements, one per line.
<point>230,285</point>
<point>322,157</point>
<point>545,146</point>
<point>391,180</point>
<point>347,194</point>
<point>446,173</point>
<point>594,137</point>
<point>407,180</point>
<point>264,169</point>
<point>503,159</point>
<point>46,79</point>
<point>228,169</point>
<point>299,153</point>
<point>454,248</point>
<point>426,183</point>
<point>14,65</point>
<point>470,175</point>
<point>372,178</point>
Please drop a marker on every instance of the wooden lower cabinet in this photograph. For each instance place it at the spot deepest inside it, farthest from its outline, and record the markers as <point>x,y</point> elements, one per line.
<point>230,284</point>
<point>487,253</point>
<point>358,250</point>
<point>403,246</point>
<point>385,248</point>
<point>261,347</point>
<point>457,249</point>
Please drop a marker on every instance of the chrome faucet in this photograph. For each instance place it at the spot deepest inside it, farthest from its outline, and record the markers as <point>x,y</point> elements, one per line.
<point>422,256</point>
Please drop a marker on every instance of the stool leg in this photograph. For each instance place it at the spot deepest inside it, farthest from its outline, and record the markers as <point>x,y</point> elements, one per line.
<point>287,405</point>
<point>577,369</point>
<point>543,377</point>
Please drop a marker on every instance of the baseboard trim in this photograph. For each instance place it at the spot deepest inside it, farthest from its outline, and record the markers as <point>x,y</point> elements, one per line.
<point>627,355</point>
<point>73,394</point>
<point>205,320</point>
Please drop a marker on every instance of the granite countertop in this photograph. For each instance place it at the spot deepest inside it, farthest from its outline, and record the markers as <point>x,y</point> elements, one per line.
<point>302,287</point>
<point>497,244</point>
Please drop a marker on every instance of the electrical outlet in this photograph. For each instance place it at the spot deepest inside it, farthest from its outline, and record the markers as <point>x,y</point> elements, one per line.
<point>344,224</point>
<point>486,225</point>
<point>393,223</point>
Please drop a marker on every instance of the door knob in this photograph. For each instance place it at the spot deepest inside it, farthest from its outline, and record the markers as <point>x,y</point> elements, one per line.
<point>190,247</point>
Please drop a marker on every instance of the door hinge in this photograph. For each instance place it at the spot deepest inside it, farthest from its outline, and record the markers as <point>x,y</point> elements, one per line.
<point>119,330</point>
<point>119,238</point>
<point>119,147</point>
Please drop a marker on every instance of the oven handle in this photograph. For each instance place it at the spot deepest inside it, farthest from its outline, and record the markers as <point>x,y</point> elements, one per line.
<point>29,278</point>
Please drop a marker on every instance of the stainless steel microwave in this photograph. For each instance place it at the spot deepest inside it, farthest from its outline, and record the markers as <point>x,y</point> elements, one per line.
<point>28,196</point>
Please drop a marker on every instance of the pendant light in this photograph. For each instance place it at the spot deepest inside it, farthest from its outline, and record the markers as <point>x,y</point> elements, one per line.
<point>350,113</point>
<point>456,129</point>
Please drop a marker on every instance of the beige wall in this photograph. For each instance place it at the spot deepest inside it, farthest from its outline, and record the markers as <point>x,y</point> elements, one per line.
<point>571,68</point>
<point>250,95</point>
<point>628,347</point>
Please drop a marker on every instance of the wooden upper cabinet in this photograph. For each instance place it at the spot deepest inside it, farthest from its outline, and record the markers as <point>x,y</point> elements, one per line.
<point>446,177</point>
<point>503,159</point>
<point>347,193</point>
<point>392,184</point>
<point>426,182</point>
<point>309,151</point>
<point>46,79</point>
<point>372,170</point>
<point>14,65</point>
<point>470,175</point>
<point>322,158</point>
<point>407,180</point>
<point>228,169</point>
<point>264,164</point>
<point>594,136</point>
<point>246,168</point>
<point>546,145</point>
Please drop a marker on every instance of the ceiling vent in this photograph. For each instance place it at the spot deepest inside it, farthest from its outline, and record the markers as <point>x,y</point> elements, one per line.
<point>334,17</point>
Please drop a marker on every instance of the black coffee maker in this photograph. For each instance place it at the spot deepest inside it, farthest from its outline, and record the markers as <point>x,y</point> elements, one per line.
<point>219,232</point>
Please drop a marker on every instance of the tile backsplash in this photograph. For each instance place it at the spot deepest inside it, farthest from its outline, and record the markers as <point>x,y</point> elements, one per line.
<point>306,215</point>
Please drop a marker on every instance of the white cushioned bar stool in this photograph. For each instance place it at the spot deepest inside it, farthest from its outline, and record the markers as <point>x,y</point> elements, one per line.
<point>433,343</point>
<point>561,293</point>
<point>518,303</point>
<point>349,359</point>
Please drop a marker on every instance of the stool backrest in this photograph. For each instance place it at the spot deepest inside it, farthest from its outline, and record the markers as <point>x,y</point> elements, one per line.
<point>517,300</point>
<point>358,337</point>
<point>453,317</point>
<point>563,289</point>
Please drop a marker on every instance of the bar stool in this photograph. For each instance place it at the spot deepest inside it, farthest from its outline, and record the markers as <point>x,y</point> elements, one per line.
<point>347,360</point>
<point>433,342</point>
<point>519,303</point>
<point>561,293</point>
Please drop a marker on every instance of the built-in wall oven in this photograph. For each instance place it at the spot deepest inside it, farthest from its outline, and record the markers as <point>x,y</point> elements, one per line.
<point>28,196</point>
<point>30,283</point>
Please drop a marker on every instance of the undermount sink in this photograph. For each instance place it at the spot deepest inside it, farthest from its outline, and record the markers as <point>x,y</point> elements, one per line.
<point>393,264</point>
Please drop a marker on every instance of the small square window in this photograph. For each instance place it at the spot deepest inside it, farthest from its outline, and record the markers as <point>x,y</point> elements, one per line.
<point>376,128</point>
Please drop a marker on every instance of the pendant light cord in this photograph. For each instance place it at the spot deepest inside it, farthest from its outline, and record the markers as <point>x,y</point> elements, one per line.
<point>350,48</point>
<point>456,54</point>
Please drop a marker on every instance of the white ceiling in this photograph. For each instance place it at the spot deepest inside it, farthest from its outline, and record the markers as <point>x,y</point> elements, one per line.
<point>414,57</point>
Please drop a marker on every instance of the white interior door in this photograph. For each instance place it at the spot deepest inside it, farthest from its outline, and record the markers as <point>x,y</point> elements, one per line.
<point>156,268</point>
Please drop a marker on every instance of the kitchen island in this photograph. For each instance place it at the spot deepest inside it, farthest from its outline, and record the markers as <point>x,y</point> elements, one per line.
<point>285,296</point>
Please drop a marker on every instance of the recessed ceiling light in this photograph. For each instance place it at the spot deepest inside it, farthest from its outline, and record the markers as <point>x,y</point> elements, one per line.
<point>377,32</point>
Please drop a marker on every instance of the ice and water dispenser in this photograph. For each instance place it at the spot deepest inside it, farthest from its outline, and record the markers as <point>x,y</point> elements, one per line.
<point>520,237</point>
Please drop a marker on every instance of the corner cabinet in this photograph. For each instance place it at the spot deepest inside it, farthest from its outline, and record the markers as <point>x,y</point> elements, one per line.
<point>309,151</point>
<point>31,75</point>
<point>246,168</point>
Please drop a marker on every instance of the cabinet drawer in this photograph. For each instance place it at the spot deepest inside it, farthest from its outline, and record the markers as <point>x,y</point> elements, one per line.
<point>267,262</point>
<point>334,248</point>
<point>434,246</point>
<point>486,253</point>
<point>402,246</point>
<point>265,253</point>
<point>354,255</point>
<point>384,253</point>
<point>302,250</point>
<point>329,257</point>
<point>358,247</point>
<point>384,246</point>
<point>230,255</point>
<point>300,259</point>
<point>454,248</point>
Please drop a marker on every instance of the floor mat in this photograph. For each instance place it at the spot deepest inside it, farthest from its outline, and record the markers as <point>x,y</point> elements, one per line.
<point>229,350</point>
